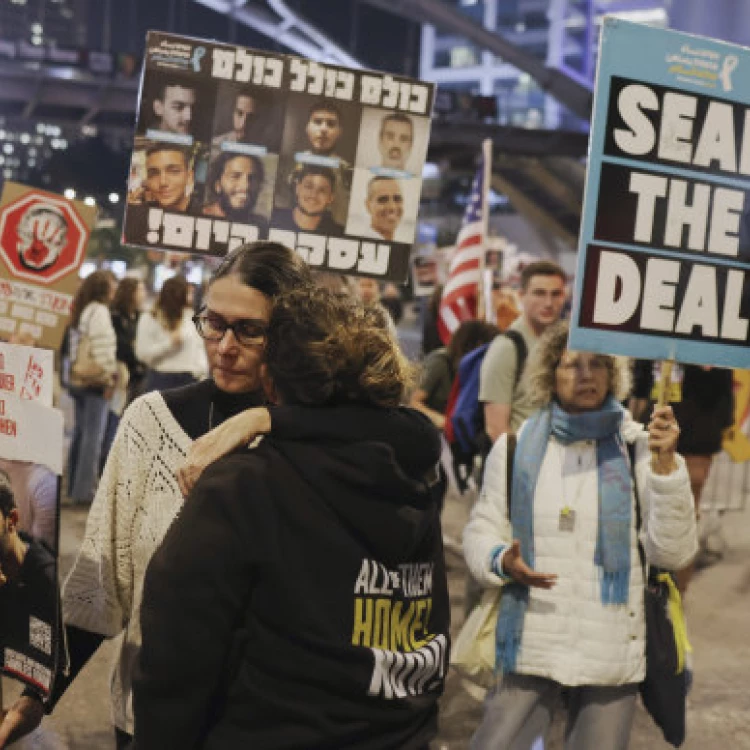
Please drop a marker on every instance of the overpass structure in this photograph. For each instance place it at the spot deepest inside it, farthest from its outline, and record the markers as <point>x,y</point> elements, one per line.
<point>540,171</point>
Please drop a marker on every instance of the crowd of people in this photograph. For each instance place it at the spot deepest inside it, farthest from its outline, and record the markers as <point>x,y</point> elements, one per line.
<point>264,536</point>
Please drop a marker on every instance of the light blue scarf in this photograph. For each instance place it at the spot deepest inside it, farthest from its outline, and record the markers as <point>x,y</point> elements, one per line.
<point>612,553</point>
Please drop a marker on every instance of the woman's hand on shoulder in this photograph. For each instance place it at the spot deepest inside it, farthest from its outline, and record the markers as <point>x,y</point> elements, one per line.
<point>663,434</point>
<point>234,432</point>
<point>516,568</point>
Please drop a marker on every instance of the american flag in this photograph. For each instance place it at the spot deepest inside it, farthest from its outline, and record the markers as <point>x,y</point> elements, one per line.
<point>459,300</point>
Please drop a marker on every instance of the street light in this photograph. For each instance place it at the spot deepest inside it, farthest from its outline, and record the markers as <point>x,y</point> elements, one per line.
<point>69,193</point>
<point>89,201</point>
<point>114,198</point>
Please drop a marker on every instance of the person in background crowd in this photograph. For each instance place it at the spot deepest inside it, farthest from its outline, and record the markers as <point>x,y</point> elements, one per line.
<point>125,310</point>
<point>506,403</point>
<point>580,624</point>
<point>440,367</point>
<point>28,591</point>
<point>368,290</point>
<point>430,311</point>
<point>291,524</point>
<point>35,493</point>
<point>705,410</point>
<point>139,496</point>
<point>90,318</point>
<point>391,301</point>
<point>166,340</point>
<point>506,308</point>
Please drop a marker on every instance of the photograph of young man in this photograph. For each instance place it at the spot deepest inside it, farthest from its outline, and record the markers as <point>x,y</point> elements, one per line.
<point>314,191</point>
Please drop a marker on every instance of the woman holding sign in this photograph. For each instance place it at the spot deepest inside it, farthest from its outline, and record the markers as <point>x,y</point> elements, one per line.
<point>564,547</point>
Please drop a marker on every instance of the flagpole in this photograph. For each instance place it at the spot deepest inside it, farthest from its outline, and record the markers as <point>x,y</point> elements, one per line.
<point>482,307</point>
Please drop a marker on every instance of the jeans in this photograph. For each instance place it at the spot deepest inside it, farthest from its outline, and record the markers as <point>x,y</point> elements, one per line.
<point>110,430</point>
<point>91,409</point>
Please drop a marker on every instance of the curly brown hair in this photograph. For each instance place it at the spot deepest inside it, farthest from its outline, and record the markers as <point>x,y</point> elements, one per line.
<point>325,349</point>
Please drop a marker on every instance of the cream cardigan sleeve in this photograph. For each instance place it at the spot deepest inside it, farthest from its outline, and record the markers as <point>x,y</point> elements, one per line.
<point>98,593</point>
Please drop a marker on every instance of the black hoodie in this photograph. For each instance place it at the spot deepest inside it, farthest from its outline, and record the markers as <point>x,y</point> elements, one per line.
<point>300,599</point>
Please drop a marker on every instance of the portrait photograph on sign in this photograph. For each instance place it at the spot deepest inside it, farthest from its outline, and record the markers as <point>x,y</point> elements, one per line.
<point>235,144</point>
<point>663,258</point>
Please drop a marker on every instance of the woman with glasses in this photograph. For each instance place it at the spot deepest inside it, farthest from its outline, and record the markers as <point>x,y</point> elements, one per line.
<point>138,496</point>
<point>166,340</point>
<point>564,547</point>
<point>300,598</point>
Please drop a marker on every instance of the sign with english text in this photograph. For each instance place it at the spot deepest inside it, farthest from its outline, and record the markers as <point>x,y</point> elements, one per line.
<point>234,145</point>
<point>664,251</point>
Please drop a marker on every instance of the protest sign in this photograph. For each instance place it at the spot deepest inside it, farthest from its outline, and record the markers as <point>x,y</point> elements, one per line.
<point>31,450</point>
<point>27,372</point>
<point>664,251</point>
<point>234,145</point>
<point>43,240</point>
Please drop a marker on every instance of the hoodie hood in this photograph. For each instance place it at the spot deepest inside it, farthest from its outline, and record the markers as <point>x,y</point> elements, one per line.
<point>383,492</point>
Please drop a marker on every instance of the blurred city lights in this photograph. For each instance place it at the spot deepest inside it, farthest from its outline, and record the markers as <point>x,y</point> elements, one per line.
<point>114,198</point>
<point>69,193</point>
<point>89,201</point>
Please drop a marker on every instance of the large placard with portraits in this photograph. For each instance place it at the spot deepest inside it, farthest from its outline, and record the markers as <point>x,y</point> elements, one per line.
<point>234,144</point>
<point>664,252</point>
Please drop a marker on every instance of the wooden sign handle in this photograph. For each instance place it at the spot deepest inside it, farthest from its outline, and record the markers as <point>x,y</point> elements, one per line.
<point>663,393</point>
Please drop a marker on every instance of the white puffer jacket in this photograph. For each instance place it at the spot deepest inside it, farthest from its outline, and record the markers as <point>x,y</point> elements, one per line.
<point>569,636</point>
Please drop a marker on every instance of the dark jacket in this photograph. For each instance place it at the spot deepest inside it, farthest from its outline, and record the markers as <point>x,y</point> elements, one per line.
<point>300,599</point>
<point>31,643</point>
<point>125,327</point>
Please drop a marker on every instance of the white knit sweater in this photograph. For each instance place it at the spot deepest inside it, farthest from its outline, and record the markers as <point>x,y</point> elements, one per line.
<point>568,635</point>
<point>96,323</point>
<point>137,500</point>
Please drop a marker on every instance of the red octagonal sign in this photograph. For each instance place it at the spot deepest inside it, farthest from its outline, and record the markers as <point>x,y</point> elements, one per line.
<point>42,238</point>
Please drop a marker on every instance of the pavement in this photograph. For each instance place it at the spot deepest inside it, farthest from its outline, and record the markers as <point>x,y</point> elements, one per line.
<point>717,607</point>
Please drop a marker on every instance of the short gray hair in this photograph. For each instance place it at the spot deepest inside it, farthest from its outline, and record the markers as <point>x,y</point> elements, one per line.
<point>539,375</point>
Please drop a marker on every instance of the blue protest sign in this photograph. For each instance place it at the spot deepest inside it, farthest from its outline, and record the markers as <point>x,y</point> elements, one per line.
<point>664,250</point>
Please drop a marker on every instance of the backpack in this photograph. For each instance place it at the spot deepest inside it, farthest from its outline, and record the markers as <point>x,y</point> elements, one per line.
<point>464,427</point>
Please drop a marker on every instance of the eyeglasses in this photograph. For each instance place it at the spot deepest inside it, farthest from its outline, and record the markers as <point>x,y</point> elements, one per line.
<point>247,332</point>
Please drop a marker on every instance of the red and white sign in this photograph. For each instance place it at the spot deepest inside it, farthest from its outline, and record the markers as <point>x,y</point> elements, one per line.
<point>42,238</point>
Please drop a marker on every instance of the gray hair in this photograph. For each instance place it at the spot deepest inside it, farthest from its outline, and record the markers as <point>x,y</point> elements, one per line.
<point>539,375</point>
